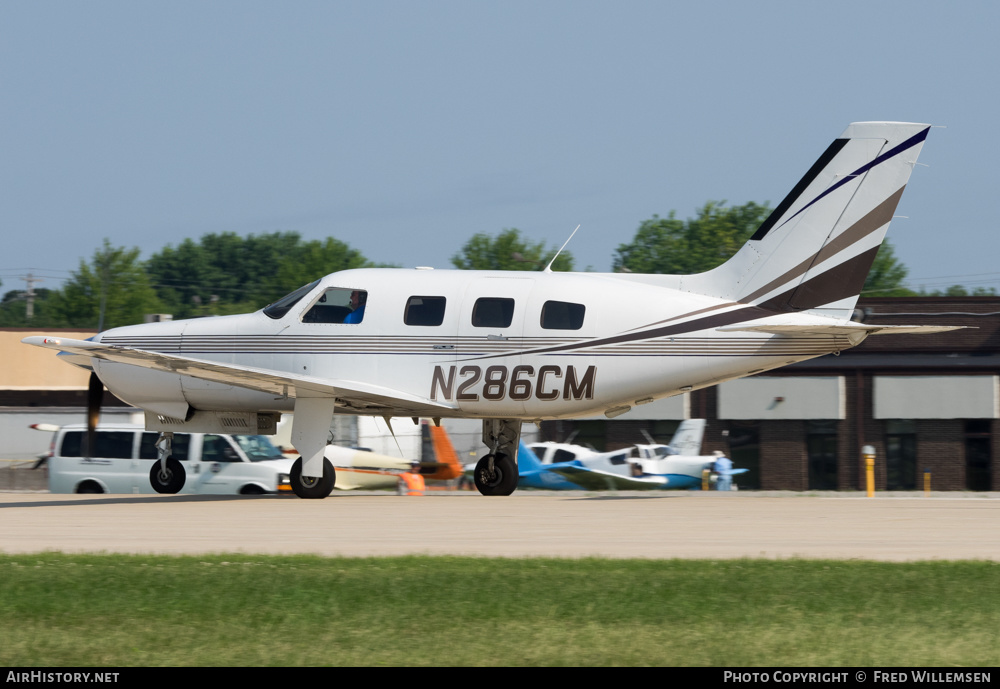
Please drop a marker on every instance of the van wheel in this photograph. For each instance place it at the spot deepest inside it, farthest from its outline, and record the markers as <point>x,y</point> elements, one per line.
<point>310,486</point>
<point>252,489</point>
<point>89,487</point>
<point>169,482</point>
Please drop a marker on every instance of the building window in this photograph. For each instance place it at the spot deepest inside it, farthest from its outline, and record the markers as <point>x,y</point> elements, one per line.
<point>978,451</point>
<point>821,446</point>
<point>744,450</point>
<point>901,455</point>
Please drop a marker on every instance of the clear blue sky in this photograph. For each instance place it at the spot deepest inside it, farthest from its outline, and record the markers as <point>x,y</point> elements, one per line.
<point>403,128</point>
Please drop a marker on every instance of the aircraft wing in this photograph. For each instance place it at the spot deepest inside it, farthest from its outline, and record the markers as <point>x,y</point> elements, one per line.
<point>592,479</point>
<point>841,329</point>
<point>355,394</point>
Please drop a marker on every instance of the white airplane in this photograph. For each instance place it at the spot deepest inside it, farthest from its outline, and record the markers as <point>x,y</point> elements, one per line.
<point>561,466</point>
<point>513,346</point>
<point>364,470</point>
<point>685,441</point>
<point>549,452</point>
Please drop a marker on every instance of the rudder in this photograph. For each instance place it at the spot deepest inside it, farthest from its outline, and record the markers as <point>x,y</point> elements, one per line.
<point>815,250</point>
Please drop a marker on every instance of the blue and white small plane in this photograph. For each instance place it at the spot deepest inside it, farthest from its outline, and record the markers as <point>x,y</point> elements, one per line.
<point>673,466</point>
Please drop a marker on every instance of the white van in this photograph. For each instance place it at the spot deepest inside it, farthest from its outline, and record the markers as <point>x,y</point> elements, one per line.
<point>124,454</point>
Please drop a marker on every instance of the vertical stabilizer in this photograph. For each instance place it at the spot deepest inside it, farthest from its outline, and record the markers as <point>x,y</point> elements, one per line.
<point>687,439</point>
<point>815,250</point>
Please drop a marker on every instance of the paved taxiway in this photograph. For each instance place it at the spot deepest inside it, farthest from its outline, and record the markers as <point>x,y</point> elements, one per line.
<point>661,525</point>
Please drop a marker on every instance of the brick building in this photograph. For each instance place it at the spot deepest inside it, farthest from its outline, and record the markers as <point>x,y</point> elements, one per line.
<point>924,402</point>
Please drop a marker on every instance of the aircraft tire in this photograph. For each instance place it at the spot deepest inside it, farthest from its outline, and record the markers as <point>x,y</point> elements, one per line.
<point>172,481</point>
<point>309,487</point>
<point>504,478</point>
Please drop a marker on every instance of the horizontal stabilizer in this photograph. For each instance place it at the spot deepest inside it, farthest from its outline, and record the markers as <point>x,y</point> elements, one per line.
<point>841,329</point>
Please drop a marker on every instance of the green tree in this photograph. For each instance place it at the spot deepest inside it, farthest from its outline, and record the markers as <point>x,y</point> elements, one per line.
<point>961,291</point>
<point>225,273</point>
<point>508,251</point>
<point>112,290</point>
<point>314,259</point>
<point>680,247</point>
<point>887,275</point>
<point>13,309</point>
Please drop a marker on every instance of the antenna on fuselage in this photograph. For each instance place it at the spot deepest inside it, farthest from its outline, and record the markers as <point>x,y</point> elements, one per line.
<point>548,268</point>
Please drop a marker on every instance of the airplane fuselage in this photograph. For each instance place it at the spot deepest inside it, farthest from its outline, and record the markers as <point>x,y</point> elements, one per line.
<point>530,345</point>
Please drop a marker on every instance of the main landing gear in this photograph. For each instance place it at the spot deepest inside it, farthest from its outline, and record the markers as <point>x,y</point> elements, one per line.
<point>496,473</point>
<point>167,475</point>
<point>311,486</point>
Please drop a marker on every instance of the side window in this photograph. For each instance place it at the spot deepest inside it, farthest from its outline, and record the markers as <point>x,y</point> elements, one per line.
<point>564,456</point>
<point>338,305</point>
<point>562,315</point>
<point>110,444</point>
<point>424,311</point>
<point>178,448</point>
<point>493,312</point>
<point>217,449</point>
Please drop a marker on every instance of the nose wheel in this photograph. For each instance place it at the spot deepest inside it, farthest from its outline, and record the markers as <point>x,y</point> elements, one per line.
<point>168,479</point>
<point>496,475</point>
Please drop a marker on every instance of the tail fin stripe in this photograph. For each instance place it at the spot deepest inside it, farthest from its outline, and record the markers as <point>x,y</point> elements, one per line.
<point>872,221</point>
<point>829,154</point>
<point>891,153</point>
<point>840,282</point>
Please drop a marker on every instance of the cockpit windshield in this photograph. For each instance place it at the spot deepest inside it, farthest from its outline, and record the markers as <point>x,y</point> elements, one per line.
<point>279,308</point>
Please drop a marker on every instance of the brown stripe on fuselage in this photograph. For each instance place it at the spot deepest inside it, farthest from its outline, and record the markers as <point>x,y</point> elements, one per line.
<point>839,282</point>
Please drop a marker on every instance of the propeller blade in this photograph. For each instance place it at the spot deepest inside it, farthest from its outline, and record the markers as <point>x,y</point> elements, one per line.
<point>95,396</point>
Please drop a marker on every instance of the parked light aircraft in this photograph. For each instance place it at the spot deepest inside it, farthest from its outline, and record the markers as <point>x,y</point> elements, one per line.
<point>558,466</point>
<point>359,469</point>
<point>669,472</point>
<point>512,346</point>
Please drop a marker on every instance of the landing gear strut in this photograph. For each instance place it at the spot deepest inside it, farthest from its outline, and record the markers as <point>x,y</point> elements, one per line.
<point>496,473</point>
<point>167,475</point>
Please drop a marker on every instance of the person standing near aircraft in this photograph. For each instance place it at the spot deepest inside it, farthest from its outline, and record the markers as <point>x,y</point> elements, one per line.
<point>724,468</point>
<point>411,483</point>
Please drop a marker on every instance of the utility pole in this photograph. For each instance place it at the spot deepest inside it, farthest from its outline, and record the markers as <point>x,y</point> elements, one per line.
<point>29,294</point>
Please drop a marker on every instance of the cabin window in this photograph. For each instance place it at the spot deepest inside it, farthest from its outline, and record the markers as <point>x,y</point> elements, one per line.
<point>424,311</point>
<point>563,456</point>
<point>338,305</point>
<point>281,307</point>
<point>493,312</point>
<point>562,315</point>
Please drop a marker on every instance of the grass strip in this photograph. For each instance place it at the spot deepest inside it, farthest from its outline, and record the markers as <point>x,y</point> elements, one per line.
<point>243,610</point>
